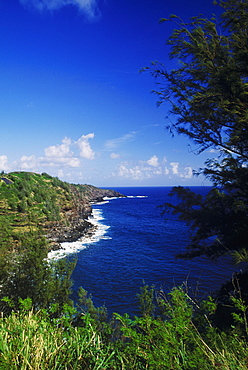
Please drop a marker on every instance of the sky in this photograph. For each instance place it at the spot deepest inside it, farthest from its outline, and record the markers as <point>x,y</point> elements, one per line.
<point>73,102</point>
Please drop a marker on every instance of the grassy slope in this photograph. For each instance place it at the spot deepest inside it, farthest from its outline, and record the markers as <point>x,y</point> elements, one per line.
<point>33,201</point>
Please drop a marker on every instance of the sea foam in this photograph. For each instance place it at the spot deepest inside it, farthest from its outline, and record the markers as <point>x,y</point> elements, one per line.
<point>137,196</point>
<point>91,237</point>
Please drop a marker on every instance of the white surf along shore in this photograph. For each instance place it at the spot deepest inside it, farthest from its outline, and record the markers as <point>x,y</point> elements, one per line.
<point>92,236</point>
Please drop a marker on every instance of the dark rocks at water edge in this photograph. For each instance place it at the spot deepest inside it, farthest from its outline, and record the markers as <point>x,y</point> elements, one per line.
<point>45,204</point>
<point>78,224</point>
<point>59,233</point>
<point>99,195</point>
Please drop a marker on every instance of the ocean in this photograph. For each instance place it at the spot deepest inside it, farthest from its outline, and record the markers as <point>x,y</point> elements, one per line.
<point>135,244</point>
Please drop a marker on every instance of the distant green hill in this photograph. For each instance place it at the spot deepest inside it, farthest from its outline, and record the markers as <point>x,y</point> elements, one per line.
<point>30,202</point>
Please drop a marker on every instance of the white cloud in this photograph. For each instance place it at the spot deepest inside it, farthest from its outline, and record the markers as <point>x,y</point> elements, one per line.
<point>89,7</point>
<point>57,162</point>
<point>134,173</point>
<point>158,171</point>
<point>4,163</point>
<point>61,151</point>
<point>57,155</point>
<point>72,162</point>
<point>139,171</point>
<point>153,161</point>
<point>84,146</point>
<point>123,171</point>
<point>63,154</point>
<point>28,162</point>
<point>174,168</point>
<point>188,173</point>
<point>114,143</point>
<point>143,170</point>
<point>114,155</point>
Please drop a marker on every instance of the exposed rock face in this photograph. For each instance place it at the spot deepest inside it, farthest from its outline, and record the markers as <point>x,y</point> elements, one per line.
<point>42,202</point>
<point>75,221</point>
<point>98,195</point>
<point>59,233</point>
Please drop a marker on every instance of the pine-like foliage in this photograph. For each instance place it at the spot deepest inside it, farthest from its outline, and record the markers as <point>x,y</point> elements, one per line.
<point>208,94</point>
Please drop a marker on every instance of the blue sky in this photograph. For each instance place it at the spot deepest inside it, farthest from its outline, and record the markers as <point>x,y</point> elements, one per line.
<point>72,101</point>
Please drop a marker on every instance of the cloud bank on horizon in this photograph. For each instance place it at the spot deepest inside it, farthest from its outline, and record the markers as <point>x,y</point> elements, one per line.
<point>68,160</point>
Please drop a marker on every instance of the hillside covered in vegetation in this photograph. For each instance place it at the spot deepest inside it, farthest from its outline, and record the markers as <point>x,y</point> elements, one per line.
<point>30,202</point>
<point>37,213</point>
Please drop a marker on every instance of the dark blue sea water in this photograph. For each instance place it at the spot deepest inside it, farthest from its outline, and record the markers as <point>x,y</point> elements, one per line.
<point>140,247</point>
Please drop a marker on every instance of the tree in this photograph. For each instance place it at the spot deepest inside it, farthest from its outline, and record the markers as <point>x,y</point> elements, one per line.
<point>30,275</point>
<point>208,94</point>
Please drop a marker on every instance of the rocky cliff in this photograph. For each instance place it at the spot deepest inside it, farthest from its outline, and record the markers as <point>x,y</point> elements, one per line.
<point>31,202</point>
<point>77,223</point>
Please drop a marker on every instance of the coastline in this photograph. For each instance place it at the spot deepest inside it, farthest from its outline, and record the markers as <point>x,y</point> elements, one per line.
<point>92,235</point>
<point>85,227</point>
<point>93,229</point>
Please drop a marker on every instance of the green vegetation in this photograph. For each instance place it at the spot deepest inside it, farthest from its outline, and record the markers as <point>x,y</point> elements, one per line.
<point>31,200</point>
<point>180,337</point>
<point>30,205</point>
<point>208,94</point>
<point>34,203</point>
<point>40,327</point>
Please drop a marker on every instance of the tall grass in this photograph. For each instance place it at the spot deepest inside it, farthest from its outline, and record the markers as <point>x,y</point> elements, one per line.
<point>30,342</point>
<point>175,340</point>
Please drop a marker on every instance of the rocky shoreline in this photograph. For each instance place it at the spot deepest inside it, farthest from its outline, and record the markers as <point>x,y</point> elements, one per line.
<point>76,222</point>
